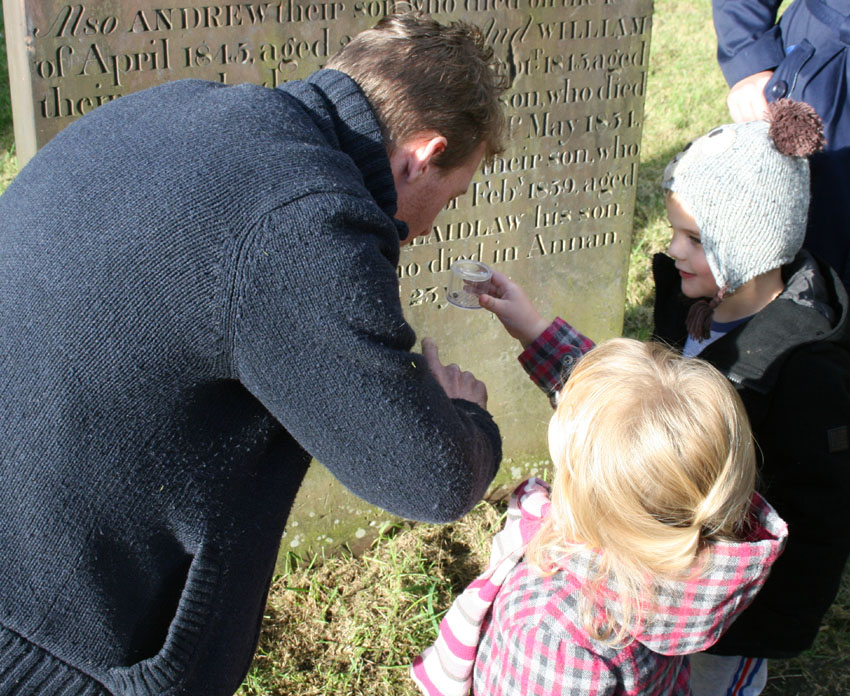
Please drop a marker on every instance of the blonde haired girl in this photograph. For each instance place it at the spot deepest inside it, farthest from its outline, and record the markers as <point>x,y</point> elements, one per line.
<point>649,543</point>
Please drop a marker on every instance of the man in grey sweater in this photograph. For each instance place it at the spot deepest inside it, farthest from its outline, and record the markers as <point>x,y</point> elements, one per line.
<point>172,357</point>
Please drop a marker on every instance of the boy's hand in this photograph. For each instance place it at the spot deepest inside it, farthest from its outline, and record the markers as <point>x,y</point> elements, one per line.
<point>456,384</point>
<point>511,305</point>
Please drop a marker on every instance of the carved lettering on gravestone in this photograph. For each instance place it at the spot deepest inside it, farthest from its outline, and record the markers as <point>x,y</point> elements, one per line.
<point>554,211</point>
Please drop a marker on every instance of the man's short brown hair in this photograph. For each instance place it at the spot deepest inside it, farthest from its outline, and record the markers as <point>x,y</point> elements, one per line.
<point>420,75</point>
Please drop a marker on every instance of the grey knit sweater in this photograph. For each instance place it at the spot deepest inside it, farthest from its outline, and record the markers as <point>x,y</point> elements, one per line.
<point>198,293</point>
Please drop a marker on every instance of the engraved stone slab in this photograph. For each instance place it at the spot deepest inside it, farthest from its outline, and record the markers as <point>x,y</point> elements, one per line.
<point>554,211</point>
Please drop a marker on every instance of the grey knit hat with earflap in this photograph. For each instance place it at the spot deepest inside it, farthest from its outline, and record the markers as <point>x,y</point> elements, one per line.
<point>747,186</point>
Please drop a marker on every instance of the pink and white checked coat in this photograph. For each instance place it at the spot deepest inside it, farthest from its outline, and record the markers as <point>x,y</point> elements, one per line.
<point>513,632</point>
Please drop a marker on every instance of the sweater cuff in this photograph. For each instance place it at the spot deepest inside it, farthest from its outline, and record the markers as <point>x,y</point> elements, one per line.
<point>765,53</point>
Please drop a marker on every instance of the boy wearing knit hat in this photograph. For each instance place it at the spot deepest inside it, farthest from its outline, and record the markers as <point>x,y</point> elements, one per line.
<point>738,203</point>
<point>737,290</point>
<point>775,321</point>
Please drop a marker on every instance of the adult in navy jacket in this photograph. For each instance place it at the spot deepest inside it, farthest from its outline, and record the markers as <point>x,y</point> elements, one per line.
<point>804,56</point>
<point>198,293</point>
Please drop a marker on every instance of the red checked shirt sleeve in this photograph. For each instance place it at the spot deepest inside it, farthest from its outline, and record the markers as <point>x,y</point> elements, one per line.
<point>551,357</point>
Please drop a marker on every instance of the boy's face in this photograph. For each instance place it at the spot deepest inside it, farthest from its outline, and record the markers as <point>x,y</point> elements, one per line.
<point>686,250</point>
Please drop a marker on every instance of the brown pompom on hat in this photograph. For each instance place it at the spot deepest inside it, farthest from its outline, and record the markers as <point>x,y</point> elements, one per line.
<point>795,128</point>
<point>747,186</point>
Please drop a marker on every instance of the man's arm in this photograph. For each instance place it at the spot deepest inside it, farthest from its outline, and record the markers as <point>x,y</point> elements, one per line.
<point>321,341</point>
<point>749,47</point>
<point>748,38</point>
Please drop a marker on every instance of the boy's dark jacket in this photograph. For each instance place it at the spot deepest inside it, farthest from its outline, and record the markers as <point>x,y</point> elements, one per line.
<point>198,292</point>
<point>791,367</point>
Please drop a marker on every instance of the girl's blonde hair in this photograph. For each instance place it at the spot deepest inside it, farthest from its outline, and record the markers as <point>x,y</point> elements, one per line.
<point>653,457</point>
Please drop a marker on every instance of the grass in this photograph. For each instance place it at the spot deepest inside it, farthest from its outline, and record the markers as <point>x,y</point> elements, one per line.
<point>350,625</point>
<point>8,160</point>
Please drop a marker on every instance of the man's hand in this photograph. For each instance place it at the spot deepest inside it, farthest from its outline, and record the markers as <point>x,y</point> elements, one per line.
<point>746,99</point>
<point>511,305</point>
<point>457,384</point>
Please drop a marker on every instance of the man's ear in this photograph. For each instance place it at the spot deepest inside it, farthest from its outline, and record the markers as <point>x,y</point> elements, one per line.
<point>415,156</point>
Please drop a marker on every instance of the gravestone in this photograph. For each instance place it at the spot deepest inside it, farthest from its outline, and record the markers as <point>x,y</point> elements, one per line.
<point>554,211</point>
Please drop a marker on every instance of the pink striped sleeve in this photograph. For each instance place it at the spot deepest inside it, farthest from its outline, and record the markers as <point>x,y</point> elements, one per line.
<point>445,668</point>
